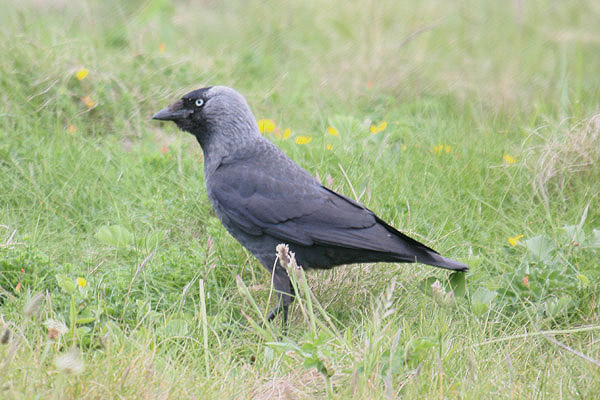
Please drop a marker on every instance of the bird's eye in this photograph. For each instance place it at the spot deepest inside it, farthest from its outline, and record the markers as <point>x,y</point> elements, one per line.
<point>199,102</point>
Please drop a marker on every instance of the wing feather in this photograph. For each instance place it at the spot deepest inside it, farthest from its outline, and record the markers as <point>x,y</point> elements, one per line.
<point>304,213</point>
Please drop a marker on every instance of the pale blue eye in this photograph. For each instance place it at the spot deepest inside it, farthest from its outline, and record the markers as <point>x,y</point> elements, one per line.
<point>199,103</point>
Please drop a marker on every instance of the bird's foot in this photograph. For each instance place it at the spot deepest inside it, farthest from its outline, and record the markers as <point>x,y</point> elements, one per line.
<point>279,308</point>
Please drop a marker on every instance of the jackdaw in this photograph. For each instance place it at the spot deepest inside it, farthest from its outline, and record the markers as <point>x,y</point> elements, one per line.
<point>263,198</point>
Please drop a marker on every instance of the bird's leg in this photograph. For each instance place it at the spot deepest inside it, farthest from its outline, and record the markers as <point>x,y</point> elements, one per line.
<point>285,317</point>
<point>276,311</point>
<point>279,308</point>
<point>284,290</point>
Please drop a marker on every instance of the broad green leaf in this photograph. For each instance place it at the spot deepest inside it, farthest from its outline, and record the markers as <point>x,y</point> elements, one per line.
<point>65,283</point>
<point>284,346</point>
<point>85,317</point>
<point>423,343</point>
<point>556,306</point>
<point>594,241</point>
<point>115,235</point>
<point>540,247</point>
<point>479,308</point>
<point>481,300</point>
<point>83,330</point>
<point>317,363</point>
<point>308,348</point>
<point>458,283</point>
<point>575,234</point>
<point>484,295</point>
<point>585,281</point>
<point>418,347</point>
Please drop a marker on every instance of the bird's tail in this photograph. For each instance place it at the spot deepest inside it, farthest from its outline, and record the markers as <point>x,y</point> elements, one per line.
<point>421,253</point>
<point>436,260</point>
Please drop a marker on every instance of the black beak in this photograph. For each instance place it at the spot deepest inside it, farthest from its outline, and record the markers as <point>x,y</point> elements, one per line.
<point>174,112</point>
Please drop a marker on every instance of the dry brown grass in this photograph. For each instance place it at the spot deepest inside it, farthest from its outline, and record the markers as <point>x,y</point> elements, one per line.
<point>302,384</point>
<point>567,154</point>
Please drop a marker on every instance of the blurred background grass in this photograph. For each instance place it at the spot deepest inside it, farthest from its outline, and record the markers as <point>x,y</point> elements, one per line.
<point>483,79</point>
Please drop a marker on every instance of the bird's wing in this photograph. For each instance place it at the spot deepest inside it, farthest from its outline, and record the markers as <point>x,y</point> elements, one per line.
<point>296,212</point>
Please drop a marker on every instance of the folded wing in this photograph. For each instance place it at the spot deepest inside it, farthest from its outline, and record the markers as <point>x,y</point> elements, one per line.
<point>303,212</point>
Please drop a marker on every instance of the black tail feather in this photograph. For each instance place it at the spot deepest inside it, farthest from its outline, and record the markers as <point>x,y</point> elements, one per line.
<point>436,260</point>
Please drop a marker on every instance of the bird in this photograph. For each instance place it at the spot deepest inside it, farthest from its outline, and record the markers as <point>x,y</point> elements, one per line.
<point>263,198</point>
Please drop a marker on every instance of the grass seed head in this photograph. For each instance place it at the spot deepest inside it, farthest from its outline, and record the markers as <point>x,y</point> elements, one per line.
<point>33,306</point>
<point>55,329</point>
<point>565,155</point>
<point>70,362</point>
<point>5,336</point>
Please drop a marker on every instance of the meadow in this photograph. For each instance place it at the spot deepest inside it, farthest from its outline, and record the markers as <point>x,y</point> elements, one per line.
<point>472,126</point>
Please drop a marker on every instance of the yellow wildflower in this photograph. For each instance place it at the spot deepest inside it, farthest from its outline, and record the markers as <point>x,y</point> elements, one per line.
<point>378,128</point>
<point>89,103</point>
<point>287,132</point>
<point>332,131</point>
<point>266,125</point>
<point>441,148</point>
<point>162,47</point>
<point>82,73</point>
<point>329,146</point>
<point>81,282</point>
<point>514,240</point>
<point>303,139</point>
<point>509,159</point>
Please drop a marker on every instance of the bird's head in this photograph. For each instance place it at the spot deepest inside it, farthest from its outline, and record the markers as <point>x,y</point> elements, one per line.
<point>212,110</point>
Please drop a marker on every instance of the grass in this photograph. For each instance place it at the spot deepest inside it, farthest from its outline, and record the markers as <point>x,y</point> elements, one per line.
<point>172,305</point>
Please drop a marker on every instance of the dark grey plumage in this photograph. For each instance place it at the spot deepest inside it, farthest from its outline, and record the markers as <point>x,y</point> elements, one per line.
<point>263,198</point>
